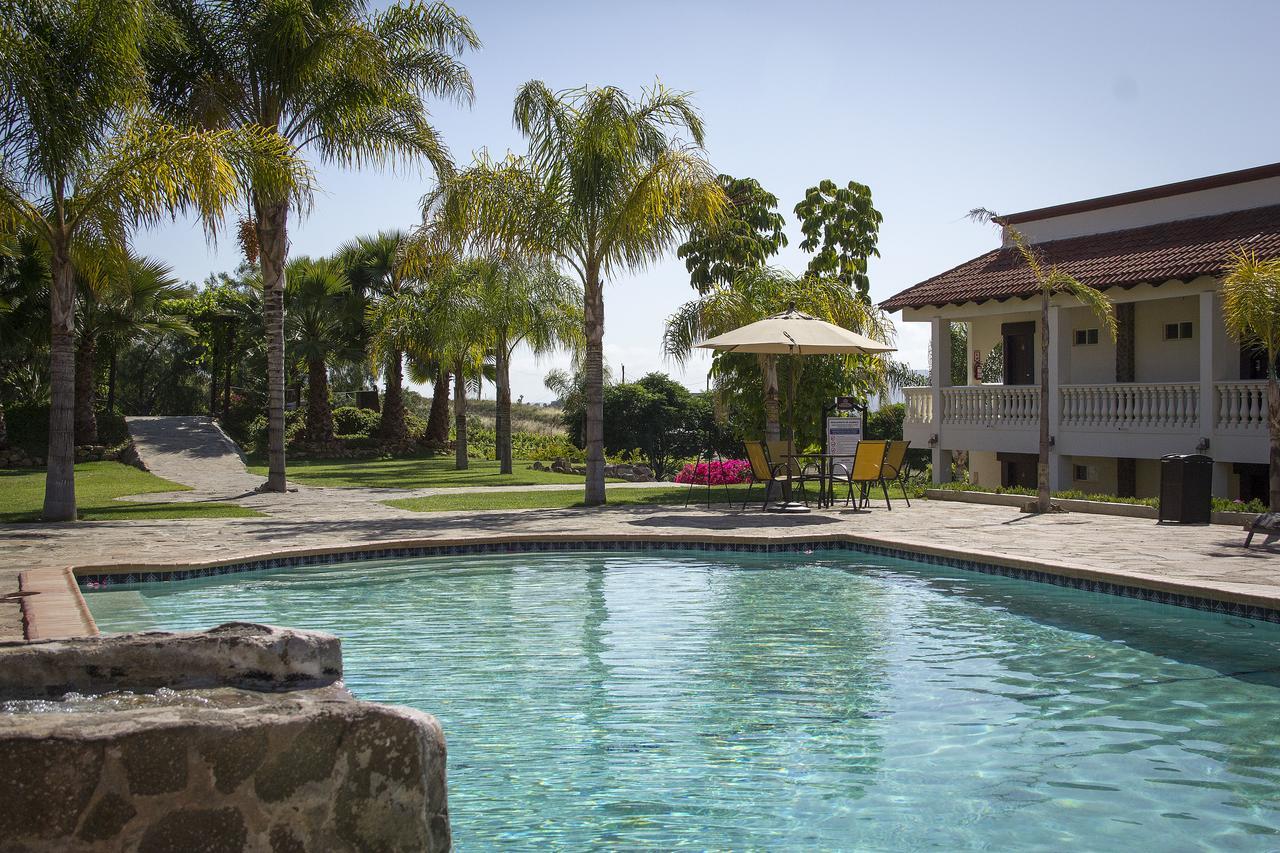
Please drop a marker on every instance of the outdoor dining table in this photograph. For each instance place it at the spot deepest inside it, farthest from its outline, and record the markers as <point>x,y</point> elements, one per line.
<point>826,464</point>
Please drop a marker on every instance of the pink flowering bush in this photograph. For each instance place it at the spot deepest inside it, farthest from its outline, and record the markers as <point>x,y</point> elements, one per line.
<point>726,473</point>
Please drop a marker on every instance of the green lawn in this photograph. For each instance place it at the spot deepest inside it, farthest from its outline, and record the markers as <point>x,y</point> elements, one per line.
<point>97,483</point>
<point>659,494</point>
<point>418,472</point>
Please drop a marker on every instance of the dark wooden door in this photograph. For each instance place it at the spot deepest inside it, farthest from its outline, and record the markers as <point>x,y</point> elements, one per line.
<point>1018,469</point>
<point>1019,353</point>
<point>1253,363</point>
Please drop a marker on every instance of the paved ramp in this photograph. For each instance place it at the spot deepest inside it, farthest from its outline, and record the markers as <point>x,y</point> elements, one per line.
<point>193,451</point>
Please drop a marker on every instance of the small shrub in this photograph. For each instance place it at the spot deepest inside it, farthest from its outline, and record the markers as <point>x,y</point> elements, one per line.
<point>729,472</point>
<point>295,427</point>
<point>352,422</point>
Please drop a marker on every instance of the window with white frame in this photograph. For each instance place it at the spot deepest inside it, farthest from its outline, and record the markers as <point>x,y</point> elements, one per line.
<point>1084,473</point>
<point>1085,337</point>
<point>1178,331</point>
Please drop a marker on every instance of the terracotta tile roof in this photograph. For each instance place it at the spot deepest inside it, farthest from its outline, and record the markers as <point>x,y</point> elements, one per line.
<point>1154,253</point>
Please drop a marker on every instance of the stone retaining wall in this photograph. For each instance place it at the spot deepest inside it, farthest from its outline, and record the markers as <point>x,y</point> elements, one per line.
<point>212,768</point>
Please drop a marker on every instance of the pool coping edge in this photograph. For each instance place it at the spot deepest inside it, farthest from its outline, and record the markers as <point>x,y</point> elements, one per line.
<point>55,606</point>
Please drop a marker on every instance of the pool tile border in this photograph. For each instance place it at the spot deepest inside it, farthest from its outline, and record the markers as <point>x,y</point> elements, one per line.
<point>91,578</point>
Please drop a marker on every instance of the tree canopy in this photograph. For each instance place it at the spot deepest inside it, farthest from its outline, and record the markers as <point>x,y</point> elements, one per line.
<point>747,235</point>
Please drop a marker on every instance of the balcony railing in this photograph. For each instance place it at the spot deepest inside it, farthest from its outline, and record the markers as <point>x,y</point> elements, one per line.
<point>991,405</point>
<point>1242,406</point>
<point>1153,406</point>
<point>1239,407</point>
<point>919,405</point>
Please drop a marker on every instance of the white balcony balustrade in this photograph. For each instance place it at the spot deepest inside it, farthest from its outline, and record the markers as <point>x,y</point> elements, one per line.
<point>919,405</point>
<point>1136,406</point>
<point>991,405</point>
<point>1242,406</point>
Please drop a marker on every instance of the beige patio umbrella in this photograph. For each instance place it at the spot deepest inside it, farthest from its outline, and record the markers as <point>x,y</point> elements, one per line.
<point>795,333</point>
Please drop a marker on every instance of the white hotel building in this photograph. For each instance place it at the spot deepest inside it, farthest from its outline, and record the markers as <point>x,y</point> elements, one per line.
<point>1172,382</point>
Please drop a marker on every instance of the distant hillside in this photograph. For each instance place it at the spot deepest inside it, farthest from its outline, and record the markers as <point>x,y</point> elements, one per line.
<point>525,417</point>
<point>544,420</point>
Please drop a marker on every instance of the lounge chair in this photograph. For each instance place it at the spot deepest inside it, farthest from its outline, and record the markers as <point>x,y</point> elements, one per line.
<point>765,470</point>
<point>894,469</point>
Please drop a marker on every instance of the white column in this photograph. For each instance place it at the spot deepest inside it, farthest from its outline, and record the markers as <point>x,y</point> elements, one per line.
<point>940,377</point>
<point>1059,356</point>
<point>1208,370</point>
<point>1221,479</point>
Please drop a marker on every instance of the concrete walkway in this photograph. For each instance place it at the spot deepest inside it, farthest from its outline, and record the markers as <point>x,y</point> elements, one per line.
<point>193,451</point>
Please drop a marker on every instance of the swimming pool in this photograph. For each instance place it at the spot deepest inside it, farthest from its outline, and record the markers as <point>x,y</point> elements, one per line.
<point>821,701</point>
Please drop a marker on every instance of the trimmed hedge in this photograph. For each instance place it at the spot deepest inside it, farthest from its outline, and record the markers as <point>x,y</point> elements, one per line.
<point>1219,504</point>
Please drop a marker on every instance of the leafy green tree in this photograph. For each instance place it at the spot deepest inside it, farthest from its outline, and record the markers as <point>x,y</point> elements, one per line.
<point>24,316</point>
<point>1049,280</point>
<point>761,292</point>
<point>85,161</point>
<point>748,234</point>
<point>841,228</point>
<point>321,321</point>
<point>606,188</point>
<point>120,300</point>
<point>336,79</point>
<point>1251,309</point>
<point>659,417</point>
<point>520,302</point>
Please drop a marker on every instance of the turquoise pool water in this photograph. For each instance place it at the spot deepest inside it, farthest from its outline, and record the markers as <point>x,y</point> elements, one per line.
<point>826,701</point>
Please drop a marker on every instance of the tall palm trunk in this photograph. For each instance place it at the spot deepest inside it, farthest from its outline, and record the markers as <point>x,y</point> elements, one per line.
<point>86,428</point>
<point>459,418</point>
<point>502,417</point>
<point>772,402</point>
<point>392,427</point>
<point>1042,464</point>
<point>438,416</point>
<point>593,380</point>
<point>273,244</point>
<point>59,484</point>
<point>1273,423</point>
<point>319,413</point>
<point>4,428</point>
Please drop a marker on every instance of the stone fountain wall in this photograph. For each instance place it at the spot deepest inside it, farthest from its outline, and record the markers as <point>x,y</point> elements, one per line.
<point>236,739</point>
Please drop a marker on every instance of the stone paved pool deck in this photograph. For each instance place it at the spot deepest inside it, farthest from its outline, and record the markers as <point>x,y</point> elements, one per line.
<point>1206,561</point>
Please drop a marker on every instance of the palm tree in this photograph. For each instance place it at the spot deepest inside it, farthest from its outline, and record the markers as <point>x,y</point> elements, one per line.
<point>607,188</point>
<point>1251,309</point>
<point>336,78</point>
<point>1049,280</point>
<point>83,160</point>
<point>376,267</point>
<point>521,302</point>
<point>759,292</point>
<point>322,316</point>
<point>122,301</point>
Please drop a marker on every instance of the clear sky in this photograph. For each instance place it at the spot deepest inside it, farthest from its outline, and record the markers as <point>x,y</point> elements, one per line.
<point>939,107</point>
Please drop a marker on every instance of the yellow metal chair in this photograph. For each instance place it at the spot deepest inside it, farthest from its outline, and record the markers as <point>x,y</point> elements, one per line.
<point>764,470</point>
<point>868,469</point>
<point>894,469</point>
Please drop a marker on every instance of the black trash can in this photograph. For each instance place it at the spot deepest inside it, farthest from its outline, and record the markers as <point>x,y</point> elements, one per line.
<point>1186,488</point>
